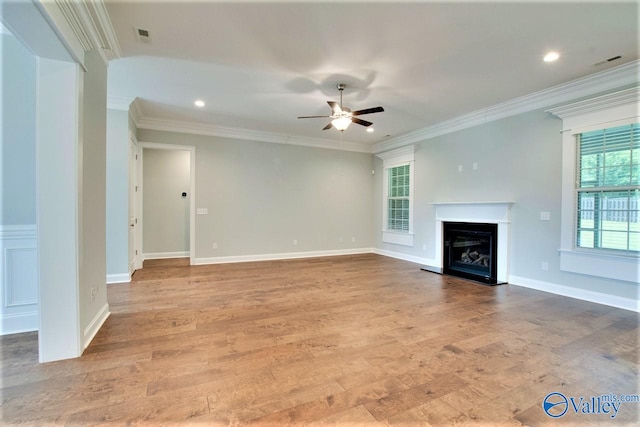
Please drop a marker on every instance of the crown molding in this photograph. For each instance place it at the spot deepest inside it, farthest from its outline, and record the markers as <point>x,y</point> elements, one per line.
<point>276,138</point>
<point>595,83</point>
<point>112,46</point>
<point>128,104</point>
<point>119,102</point>
<point>610,100</point>
<point>404,152</point>
<point>91,26</point>
<point>78,17</point>
<point>135,111</point>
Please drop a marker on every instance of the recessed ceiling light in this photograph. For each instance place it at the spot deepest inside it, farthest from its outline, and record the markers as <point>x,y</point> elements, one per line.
<point>199,103</point>
<point>551,56</point>
<point>370,129</point>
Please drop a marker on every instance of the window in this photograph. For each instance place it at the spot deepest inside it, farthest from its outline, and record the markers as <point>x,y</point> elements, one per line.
<point>600,186</point>
<point>608,189</point>
<point>397,199</point>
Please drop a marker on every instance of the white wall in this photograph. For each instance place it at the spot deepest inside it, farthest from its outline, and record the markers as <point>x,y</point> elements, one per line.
<point>518,159</point>
<point>18,243</point>
<point>166,175</point>
<point>17,133</point>
<point>261,197</point>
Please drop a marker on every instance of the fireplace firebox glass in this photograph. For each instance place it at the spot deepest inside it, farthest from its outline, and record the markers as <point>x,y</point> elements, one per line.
<point>470,251</point>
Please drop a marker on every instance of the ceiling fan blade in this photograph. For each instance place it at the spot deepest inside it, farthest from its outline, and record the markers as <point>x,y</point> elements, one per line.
<point>360,122</point>
<point>329,126</point>
<point>368,111</point>
<point>335,107</point>
<point>312,117</point>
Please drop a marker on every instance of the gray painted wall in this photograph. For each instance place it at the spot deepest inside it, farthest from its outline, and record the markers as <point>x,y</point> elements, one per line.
<point>166,175</point>
<point>117,192</point>
<point>17,135</point>
<point>262,196</point>
<point>92,201</point>
<point>519,159</point>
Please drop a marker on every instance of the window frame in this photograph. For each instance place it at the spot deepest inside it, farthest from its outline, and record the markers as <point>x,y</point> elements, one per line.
<point>391,198</point>
<point>606,111</point>
<point>391,159</point>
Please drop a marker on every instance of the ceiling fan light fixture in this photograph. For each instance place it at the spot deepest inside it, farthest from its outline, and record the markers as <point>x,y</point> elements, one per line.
<point>341,123</point>
<point>551,56</point>
<point>342,116</point>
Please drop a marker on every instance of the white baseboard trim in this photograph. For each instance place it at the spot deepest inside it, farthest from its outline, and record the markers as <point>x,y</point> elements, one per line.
<point>585,295</point>
<point>581,294</point>
<point>92,329</point>
<point>553,288</point>
<point>118,278</point>
<point>280,256</point>
<point>165,255</point>
<point>428,262</point>
<point>18,323</point>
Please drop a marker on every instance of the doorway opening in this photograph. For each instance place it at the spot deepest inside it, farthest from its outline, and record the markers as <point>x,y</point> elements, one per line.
<point>166,198</point>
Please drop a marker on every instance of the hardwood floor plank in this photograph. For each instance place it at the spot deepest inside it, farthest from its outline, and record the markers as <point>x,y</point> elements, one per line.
<point>360,340</point>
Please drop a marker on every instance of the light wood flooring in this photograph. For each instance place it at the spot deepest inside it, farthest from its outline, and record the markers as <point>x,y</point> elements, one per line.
<point>359,340</point>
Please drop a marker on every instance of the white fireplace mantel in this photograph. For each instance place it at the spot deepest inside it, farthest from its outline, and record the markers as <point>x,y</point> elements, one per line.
<point>477,212</point>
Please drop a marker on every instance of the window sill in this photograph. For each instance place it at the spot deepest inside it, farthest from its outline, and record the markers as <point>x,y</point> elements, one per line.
<point>397,238</point>
<point>608,266</point>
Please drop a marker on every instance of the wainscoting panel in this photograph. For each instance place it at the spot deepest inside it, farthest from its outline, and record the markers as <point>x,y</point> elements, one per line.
<point>18,279</point>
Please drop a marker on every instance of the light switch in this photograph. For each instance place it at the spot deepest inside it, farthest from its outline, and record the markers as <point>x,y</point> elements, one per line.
<point>202,211</point>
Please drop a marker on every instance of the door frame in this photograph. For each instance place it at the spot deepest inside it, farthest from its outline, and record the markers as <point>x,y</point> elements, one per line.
<point>192,188</point>
<point>135,179</point>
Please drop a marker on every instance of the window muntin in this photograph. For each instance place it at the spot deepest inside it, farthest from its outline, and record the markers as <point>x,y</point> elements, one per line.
<point>398,202</point>
<point>608,189</point>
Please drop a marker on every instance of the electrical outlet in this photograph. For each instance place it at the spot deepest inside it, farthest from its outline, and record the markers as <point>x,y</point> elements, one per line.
<point>295,242</point>
<point>475,166</point>
<point>545,265</point>
<point>214,245</point>
<point>545,216</point>
<point>459,168</point>
<point>424,247</point>
<point>353,239</point>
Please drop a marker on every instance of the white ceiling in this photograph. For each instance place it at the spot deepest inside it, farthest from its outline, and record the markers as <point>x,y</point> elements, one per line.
<point>260,65</point>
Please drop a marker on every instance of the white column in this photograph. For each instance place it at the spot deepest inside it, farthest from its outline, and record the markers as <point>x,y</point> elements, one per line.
<point>57,157</point>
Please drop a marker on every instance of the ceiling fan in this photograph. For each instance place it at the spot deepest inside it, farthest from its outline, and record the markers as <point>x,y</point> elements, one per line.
<point>342,116</point>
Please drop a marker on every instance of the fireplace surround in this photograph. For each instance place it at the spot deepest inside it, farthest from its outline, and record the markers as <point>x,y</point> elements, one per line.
<point>498,213</point>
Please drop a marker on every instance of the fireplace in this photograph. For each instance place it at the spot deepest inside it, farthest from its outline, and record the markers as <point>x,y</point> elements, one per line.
<point>494,213</point>
<point>470,251</point>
